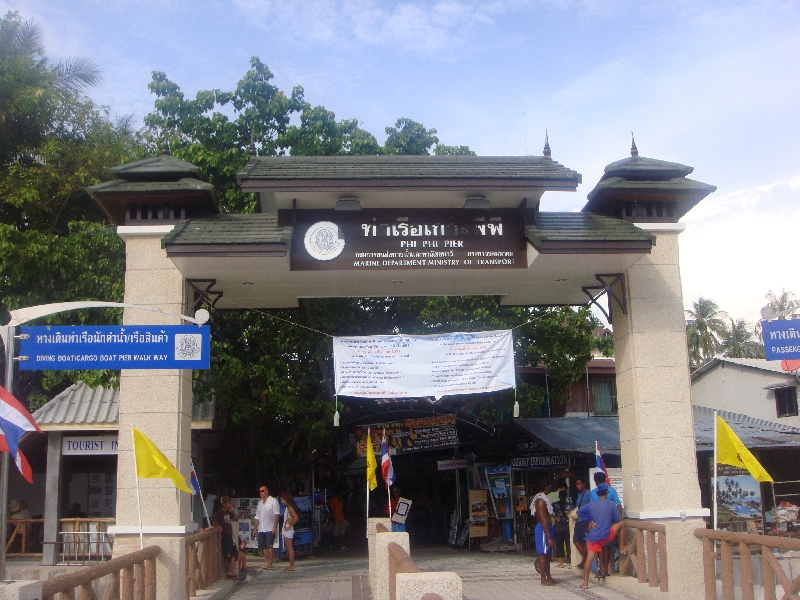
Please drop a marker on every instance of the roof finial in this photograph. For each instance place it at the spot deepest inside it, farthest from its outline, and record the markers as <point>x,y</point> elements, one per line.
<point>165,146</point>
<point>634,149</point>
<point>546,150</point>
<point>251,151</point>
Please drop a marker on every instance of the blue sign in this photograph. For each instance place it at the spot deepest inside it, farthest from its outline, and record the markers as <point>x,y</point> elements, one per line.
<point>781,339</point>
<point>115,347</point>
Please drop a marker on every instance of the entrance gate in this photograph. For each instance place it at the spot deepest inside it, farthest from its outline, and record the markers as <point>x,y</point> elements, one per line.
<point>417,225</point>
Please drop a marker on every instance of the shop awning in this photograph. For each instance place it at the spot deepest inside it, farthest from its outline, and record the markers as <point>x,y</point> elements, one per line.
<point>578,434</point>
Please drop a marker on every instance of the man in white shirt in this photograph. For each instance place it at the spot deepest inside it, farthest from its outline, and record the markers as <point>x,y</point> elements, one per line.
<point>268,514</point>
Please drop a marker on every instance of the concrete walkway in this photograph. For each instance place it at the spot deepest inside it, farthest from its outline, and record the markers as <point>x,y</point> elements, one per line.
<point>486,576</point>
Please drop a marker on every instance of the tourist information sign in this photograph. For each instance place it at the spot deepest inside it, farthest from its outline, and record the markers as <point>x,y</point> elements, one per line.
<point>781,339</point>
<point>115,347</point>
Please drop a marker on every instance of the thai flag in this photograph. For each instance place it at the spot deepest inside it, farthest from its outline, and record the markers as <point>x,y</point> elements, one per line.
<point>193,481</point>
<point>19,458</point>
<point>15,420</point>
<point>386,464</point>
<point>599,462</point>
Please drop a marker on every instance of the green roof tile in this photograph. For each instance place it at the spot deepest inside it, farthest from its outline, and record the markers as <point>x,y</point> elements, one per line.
<point>229,230</point>
<point>577,232</point>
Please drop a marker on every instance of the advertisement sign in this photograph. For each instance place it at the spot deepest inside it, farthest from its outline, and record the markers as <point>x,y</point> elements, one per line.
<point>781,339</point>
<point>390,239</point>
<point>412,366</point>
<point>738,500</point>
<point>451,465</point>
<point>98,347</point>
<point>403,508</point>
<point>478,513</point>
<point>89,445</point>
<point>499,481</point>
<point>410,435</point>
<point>540,461</point>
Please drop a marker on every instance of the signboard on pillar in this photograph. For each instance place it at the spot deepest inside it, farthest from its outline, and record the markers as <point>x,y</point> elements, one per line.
<point>89,445</point>
<point>391,239</point>
<point>541,461</point>
<point>100,347</point>
<point>781,339</point>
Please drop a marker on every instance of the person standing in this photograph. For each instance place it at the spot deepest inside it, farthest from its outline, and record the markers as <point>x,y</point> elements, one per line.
<point>562,508</point>
<point>604,523</point>
<point>268,513</point>
<point>337,513</point>
<point>608,550</point>
<point>542,509</point>
<point>581,525</point>
<point>224,519</point>
<point>291,516</point>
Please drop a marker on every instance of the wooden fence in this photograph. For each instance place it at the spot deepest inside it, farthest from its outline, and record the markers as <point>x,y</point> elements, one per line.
<point>648,554</point>
<point>747,544</point>
<point>131,577</point>
<point>203,560</point>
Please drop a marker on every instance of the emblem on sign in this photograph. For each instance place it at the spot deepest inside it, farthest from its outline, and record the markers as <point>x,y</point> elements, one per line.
<point>323,240</point>
<point>188,346</point>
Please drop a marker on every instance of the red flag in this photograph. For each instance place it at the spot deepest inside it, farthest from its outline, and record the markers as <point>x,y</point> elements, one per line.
<point>22,462</point>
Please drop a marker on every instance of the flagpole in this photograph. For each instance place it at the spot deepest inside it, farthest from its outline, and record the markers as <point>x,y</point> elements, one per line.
<point>4,456</point>
<point>200,491</point>
<point>138,500</point>
<point>714,491</point>
<point>368,449</point>
<point>388,486</point>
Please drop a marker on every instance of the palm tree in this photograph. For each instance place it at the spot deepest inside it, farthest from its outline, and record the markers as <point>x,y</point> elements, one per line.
<point>704,328</point>
<point>738,341</point>
<point>778,303</point>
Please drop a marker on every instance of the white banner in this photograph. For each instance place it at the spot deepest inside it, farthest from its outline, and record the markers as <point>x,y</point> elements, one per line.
<point>407,366</point>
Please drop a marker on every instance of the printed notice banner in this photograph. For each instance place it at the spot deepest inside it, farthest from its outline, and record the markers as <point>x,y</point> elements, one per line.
<point>410,435</point>
<point>478,513</point>
<point>408,366</point>
<point>781,339</point>
<point>115,347</point>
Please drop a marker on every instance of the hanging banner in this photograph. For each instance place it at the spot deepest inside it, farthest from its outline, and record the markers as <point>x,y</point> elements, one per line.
<point>781,339</point>
<point>391,239</point>
<point>410,435</point>
<point>99,347</point>
<point>408,366</point>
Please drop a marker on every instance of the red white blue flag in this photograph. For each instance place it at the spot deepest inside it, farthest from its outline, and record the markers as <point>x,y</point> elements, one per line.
<point>15,421</point>
<point>599,462</point>
<point>194,482</point>
<point>19,459</point>
<point>386,464</point>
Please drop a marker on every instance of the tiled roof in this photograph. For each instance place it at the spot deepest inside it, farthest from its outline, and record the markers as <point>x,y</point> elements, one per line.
<point>123,186</point>
<point>557,228</point>
<point>157,167</point>
<point>412,170</point>
<point>230,229</point>
<point>641,167</point>
<point>773,366</point>
<point>81,407</point>
<point>578,434</point>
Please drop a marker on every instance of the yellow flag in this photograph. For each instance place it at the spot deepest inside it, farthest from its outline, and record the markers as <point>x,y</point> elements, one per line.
<point>731,451</point>
<point>372,480</point>
<point>152,464</point>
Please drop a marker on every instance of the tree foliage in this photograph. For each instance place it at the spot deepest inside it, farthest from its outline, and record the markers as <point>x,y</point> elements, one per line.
<point>409,137</point>
<point>704,325</point>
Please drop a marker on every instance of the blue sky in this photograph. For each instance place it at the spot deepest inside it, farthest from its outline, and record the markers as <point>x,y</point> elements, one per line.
<point>715,85</point>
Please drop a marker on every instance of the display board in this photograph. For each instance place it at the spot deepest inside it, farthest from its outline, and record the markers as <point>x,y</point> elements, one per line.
<point>738,500</point>
<point>414,366</point>
<point>409,435</point>
<point>478,513</point>
<point>499,483</point>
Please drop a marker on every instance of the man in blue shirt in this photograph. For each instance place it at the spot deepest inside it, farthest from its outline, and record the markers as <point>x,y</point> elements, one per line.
<point>579,536</point>
<point>604,523</point>
<point>600,479</point>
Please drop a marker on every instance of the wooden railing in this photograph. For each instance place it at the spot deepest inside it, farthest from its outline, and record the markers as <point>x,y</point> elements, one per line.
<point>770,568</point>
<point>23,527</point>
<point>131,577</point>
<point>648,554</point>
<point>203,560</point>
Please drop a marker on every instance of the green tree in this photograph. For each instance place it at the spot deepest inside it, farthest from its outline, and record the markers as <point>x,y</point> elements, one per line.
<point>704,327</point>
<point>320,134</point>
<point>442,150</point>
<point>409,137</point>
<point>738,341</point>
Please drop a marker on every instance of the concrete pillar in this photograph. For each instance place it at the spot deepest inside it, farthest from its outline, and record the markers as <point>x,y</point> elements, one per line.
<point>159,403</point>
<point>655,410</point>
<point>372,523</point>
<point>52,496</point>
<point>381,587</point>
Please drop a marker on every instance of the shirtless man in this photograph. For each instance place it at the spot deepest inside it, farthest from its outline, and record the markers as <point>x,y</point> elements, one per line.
<point>544,534</point>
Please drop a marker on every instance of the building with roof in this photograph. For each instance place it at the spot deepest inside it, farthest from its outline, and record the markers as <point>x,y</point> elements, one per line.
<point>755,387</point>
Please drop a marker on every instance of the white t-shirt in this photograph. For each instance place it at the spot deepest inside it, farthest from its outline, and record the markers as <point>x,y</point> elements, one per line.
<point>265,514</point>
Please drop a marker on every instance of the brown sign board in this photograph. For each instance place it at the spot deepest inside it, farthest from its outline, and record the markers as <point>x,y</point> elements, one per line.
<point>391,239</point>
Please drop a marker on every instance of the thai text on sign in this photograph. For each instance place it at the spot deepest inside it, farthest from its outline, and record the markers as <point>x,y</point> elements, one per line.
<point>781,339</point>
<point>410,435</point>
<point>408,366</point>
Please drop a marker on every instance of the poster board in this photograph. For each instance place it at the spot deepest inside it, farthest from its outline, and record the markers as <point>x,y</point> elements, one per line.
<point>478,513</point>
<point>403,508</point>
<point>613,479</point>
<point>499,480</point>
<point>410,435</point>
<point>739,507</point>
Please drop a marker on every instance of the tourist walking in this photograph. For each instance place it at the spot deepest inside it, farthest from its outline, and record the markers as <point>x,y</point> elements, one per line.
<point>268,515</point>
<point>579,535</point>
<point>290,517</point>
